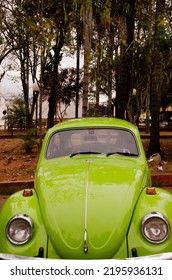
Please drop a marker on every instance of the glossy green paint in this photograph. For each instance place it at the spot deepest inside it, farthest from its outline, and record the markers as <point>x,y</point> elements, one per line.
<point>91,123</point>
<point>88,200</point>
<point>112,183</point>
<point>18,204</point>
<point>107,192</point>
<point>160,202</point>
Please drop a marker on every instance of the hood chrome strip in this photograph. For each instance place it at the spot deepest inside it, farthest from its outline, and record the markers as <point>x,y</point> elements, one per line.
<point>86,208</point>
<point>85,242</point>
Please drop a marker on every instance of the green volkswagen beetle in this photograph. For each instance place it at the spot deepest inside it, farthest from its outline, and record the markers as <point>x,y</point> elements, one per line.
<point>92,197</point>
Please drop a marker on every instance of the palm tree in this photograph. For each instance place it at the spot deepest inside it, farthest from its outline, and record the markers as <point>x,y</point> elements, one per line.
<point>16,114</point>
<point>156,79</point>
<point>87,24</point>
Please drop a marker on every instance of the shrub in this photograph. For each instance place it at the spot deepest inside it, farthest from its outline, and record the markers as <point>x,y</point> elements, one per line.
<point>29,140</point>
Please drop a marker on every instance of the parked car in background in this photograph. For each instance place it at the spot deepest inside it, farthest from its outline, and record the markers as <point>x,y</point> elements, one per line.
<point>165,119</point>
<point>92,199</point>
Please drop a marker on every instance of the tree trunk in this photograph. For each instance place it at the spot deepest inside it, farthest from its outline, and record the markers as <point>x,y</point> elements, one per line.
<point>98,86</point>
<point>126,27</point>
<point>110,70</point>
<point>122,90</point>
<point>87,23</point>
<point>155,101</point>
<point>53,98</point>
<point>24,63</point>
<point>157,78</point>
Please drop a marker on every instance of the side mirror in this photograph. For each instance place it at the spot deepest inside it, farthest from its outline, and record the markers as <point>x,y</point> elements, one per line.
<point>155,159</point>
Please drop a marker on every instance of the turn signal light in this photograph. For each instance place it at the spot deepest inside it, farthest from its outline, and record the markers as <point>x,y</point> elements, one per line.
<point>27,192</point>
<point>150,190</point>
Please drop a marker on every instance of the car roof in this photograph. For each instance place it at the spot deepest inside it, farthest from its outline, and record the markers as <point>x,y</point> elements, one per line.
<point>94,122</point>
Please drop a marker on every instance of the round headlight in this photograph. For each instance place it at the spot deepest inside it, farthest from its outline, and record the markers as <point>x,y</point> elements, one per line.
<point>19,229</point>
<point>155,228</point>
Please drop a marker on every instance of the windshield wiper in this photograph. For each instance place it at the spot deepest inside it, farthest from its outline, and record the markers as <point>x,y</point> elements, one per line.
<point>127,154</point>
<point>84,153</point>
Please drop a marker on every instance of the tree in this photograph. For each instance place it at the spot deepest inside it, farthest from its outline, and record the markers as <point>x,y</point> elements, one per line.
<point>17,30</point>
<point>16,114</point>
<point>5,50</point>
<point>37,31</point>
<point>126,48</point>
<point>61,16</point>
<point>87,34</point>
<point>67,88</point>
<point>125,24</point>
<point>101,53</point>
<point>157,78</point>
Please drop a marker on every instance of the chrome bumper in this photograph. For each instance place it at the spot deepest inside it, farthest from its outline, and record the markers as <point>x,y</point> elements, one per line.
<point>15,257</point>
<point>164,256</point>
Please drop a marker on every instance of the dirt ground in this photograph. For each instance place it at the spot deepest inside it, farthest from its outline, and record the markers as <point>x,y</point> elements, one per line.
<point>17,165</point>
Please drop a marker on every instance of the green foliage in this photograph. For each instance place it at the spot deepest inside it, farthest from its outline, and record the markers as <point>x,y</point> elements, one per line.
<point>16,114</point>
<point>49,25</point>
<point>68,85</point>
<point>29,140</point>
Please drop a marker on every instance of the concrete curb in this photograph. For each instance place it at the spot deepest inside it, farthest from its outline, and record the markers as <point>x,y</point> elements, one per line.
<point>162,181</point>
<point>7,188</point>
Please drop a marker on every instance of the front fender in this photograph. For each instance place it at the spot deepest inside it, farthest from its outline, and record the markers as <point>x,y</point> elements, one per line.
<point>160,202</point>
<point>29,205</point>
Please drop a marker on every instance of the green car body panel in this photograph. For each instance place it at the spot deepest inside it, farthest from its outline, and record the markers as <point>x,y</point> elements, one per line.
<point>17,204</point>
<point>160,202</point>
<point>88,206</point>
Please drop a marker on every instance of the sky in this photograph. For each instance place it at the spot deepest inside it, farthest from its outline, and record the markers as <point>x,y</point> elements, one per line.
<point>10,85</point>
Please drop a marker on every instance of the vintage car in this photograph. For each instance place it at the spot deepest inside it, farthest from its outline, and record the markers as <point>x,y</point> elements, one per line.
<point>92,198</point>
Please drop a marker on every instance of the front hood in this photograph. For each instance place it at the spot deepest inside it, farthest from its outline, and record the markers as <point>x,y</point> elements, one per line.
<point>87,204</point>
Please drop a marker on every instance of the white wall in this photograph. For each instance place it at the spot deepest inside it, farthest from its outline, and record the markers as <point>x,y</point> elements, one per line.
<point>70,112</point>
<point>2,108</point>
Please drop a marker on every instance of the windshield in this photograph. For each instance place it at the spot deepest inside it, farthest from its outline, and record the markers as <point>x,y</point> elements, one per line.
<point>91,140</point>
